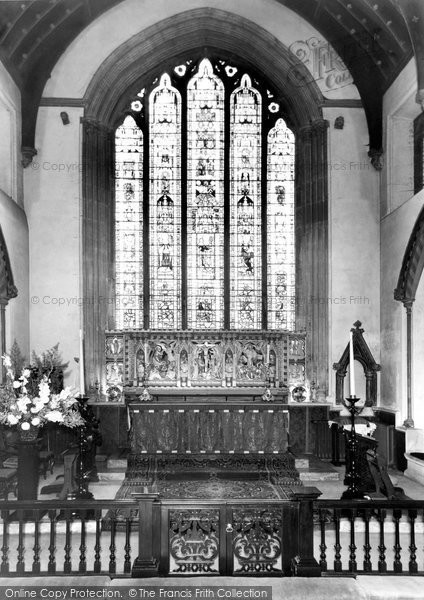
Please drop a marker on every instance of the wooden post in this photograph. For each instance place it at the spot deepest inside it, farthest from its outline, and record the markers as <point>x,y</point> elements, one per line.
<point>3,304</point>
<point>409,421</point>
<point>304,564</point>
<point>146,564</point>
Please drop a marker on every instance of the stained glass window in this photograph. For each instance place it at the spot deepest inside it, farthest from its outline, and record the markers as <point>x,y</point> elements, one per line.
<point>245,207</point>
<point>205,200</point>
<point>280,228</point>
<point>218,159</point>
<point>129,225</point>
<point>165,206</point>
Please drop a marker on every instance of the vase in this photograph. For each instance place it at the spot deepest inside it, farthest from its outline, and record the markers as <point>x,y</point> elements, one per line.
<point>28,435</point>
<point>28,463</point>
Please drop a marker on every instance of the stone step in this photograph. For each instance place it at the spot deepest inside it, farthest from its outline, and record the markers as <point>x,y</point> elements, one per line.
<point>105,476</point>
<point>306,475</point>
<point>117,463</point>
<point>302,462</point>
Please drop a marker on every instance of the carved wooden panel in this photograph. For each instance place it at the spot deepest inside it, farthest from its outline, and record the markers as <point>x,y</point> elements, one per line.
<point>193,359</point>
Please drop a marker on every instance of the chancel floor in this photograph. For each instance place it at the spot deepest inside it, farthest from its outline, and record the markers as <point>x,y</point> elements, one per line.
<point>321,474</point>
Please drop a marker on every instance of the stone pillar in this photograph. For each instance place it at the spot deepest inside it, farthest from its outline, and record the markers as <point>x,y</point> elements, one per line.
<point>312,247</point>
<point>3,304</point>
<point>409,421</point>
<point>97,245</point>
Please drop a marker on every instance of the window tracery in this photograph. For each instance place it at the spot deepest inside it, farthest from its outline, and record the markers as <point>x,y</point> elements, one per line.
<point>219,163</point>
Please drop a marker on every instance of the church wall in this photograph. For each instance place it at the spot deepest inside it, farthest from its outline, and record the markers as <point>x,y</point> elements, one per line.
<point>76,68</point>
<point>57,192</point>
<point>354,245</point>
<point>12,217</point>
<point>53,186</point>
<point>399,210</point>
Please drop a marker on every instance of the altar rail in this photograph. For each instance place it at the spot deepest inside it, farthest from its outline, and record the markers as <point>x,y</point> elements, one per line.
<point>204,358</point>
<point>365,537</point>
<point>301,536</point>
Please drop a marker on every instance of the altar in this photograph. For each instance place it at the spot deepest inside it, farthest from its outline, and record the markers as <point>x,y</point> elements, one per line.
<point>190,435</point>
<point>193,423</point>
<point>215,395</point>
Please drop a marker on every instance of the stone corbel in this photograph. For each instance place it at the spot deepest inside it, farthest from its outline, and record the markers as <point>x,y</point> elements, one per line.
<point>376,157</point>
<point>419,98</point>
<point>28,154</point>
<point>12,291</point>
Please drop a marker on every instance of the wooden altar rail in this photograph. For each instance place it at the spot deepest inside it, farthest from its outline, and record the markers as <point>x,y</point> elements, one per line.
<point>370,536</point>
<point>308,536</point>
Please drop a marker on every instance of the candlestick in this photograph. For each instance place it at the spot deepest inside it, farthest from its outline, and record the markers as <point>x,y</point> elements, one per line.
<point>81,364</point>
<point>351,367</point>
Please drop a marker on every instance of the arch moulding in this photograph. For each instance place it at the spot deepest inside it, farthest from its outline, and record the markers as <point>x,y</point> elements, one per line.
<point>121,76</point>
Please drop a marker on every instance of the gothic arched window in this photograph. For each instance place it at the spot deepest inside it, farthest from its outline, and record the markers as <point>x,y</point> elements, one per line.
<point>204,211</point>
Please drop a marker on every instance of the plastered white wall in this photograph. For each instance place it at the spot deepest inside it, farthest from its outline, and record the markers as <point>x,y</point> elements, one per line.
<point>354,237</point>
<point>52,202</point>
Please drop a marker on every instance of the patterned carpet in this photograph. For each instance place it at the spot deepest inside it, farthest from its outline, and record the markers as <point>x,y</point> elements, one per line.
<point>215,478</point>
<point>212,488</point>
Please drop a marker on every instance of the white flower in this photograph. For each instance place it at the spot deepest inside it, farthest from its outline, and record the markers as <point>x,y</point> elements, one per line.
<point>17,384</point>
<point>35,421</point>
<point>68,393</point>
<point>55,416</point>
<point>44,391</point>
<point>26,373</point>
<point>7,360</point>
<point>54,403</point>
<point>22,403</point>
<point>25,425</point>
<point>37,406</point>
<point>12,419</point>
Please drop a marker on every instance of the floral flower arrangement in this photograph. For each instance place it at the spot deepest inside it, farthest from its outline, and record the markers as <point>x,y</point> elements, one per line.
<point>24,406</point>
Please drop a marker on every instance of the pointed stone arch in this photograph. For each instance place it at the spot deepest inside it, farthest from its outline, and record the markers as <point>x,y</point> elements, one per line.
<point>409,278</point>
<point>8,291</point>
<point>120,77</point>
<point>412,264</point>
